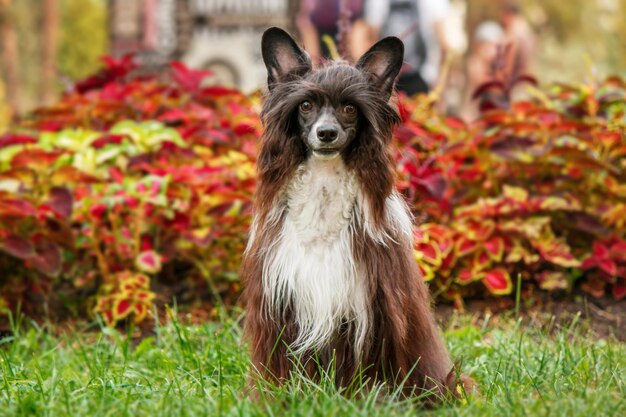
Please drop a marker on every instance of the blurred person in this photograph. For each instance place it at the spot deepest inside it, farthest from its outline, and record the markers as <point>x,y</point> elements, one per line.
<point>488,37</point>
<point>523,40</point>
<point>317,18</point>
<point>421,26</point>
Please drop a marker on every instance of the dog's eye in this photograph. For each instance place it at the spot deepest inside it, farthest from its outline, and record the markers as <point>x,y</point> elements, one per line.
<point>349,109</point>
<point>306,106</point>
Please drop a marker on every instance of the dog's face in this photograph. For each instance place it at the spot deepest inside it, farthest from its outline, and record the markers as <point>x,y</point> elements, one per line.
<point>326,127</point>
<point>328,105</point>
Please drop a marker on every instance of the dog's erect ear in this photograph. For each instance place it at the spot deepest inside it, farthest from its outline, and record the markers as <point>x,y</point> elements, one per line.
<point>384,61</point>
<point>282,56</point>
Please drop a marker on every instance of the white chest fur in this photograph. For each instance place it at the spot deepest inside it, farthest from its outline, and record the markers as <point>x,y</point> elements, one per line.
<point>311,265</point>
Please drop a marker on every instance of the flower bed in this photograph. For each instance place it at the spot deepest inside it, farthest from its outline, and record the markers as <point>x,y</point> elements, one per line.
<point>133,182</point>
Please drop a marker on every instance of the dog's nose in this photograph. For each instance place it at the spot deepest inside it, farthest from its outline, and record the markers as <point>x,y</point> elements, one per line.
<point>327,133</point>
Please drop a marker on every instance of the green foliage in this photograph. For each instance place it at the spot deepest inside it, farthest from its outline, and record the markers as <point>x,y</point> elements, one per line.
<point>83,38</point>
<point>201,370</point>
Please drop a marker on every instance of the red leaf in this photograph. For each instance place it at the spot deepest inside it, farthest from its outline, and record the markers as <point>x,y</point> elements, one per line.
<point>143,296</point>
<point>465,246</point>
<point>108,317</point>
<point>174,116</point>
<point>213,136</point>
<point>11,139</point>
<point>455,122</point>
<point>69,174</point>
<point>18,246</point>
<point>481,261</point>
<point>557,252</point>
<point>618,251</point>
<point>121,65</point>
<point>600,250</point>
<point>106,140</point>
<point>498,281</point>
<point>146,242</point>
<point>589,263</point>
<point>467,275</point>
<point>48,259</point>
<point>218,91</point>
<point>97,211</point>
<point>495,248</point>
<point>142,280</point>
<point>426,272</point>
<point>244,129</point>
<point>61,201</point>
<point>435,184</point>
<point>35,157</point>
<point>15,207</point>
<point>115,69</point>
<point>436,231</point>
<point>122,308</point>
<point>116,175</point>
<point>511,147</point>
<point>429,252</point>
<point>448,261</point>
<point>148,261</point>
<point>619,291</point>
<point>187,78</point>
<point>140,312</point>
<point>608,266</point>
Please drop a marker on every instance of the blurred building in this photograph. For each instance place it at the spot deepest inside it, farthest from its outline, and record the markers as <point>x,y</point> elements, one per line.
<point>221,35</point>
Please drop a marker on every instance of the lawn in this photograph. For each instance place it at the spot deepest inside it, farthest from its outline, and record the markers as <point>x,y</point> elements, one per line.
<point>523,368</point>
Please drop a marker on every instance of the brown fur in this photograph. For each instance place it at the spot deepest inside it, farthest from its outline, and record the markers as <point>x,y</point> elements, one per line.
<point>404,342</point>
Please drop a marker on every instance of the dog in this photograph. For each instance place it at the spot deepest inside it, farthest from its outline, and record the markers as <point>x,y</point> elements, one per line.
<point>329,274</point>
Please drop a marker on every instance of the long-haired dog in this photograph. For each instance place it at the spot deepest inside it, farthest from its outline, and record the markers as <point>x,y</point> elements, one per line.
<point>329,273</point>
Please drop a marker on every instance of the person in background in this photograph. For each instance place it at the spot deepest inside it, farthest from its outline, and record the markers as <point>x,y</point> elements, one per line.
<point>522,39</point>
<point>488,37</point>
<point>432,16</point>
<point>317,18</point>
<point>420,24</point>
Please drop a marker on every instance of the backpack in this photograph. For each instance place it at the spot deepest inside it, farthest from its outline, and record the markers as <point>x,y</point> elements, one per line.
<point>403,21</point>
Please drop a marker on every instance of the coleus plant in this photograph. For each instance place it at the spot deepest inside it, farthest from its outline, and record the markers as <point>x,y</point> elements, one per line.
<point>131,182</point>
<point>124,180</point>
<point>524,191</point>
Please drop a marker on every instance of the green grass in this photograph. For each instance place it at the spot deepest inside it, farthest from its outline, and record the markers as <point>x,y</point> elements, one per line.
<point>189,370</point>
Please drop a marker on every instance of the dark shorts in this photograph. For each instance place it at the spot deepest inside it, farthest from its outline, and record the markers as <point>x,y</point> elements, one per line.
<point>412,83</point>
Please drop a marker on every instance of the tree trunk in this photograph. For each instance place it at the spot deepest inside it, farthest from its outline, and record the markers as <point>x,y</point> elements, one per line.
<point>49,42</point>
<point>10,55</point>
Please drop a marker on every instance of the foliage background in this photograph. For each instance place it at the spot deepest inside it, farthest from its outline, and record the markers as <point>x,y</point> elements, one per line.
<point>134,187</point>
